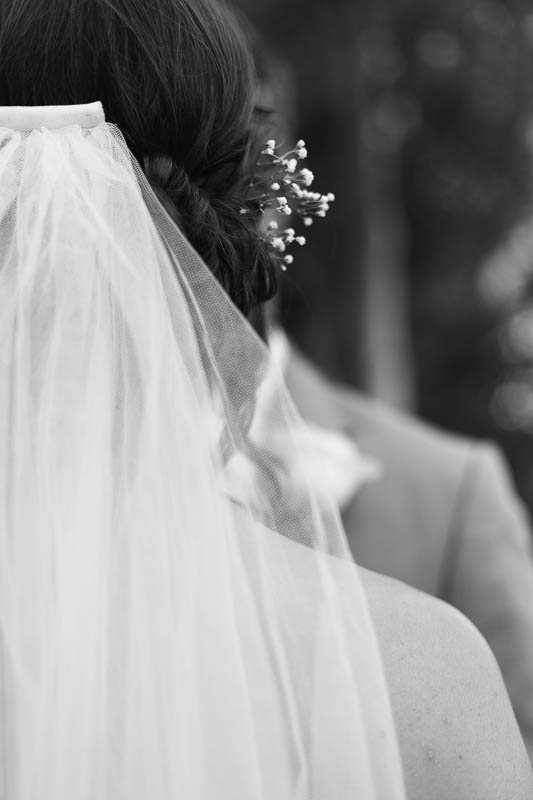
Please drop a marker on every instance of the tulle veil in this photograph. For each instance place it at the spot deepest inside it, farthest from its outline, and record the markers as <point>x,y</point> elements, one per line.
<point>179,614</point>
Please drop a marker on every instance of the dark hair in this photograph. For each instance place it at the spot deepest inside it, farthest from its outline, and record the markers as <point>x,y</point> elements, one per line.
<point>177,78</point>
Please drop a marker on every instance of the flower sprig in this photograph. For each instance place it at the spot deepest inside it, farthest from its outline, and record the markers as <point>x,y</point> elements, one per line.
<point>286,190</point>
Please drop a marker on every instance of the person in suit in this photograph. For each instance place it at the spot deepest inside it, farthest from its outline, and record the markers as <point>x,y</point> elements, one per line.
<point>428,508</point>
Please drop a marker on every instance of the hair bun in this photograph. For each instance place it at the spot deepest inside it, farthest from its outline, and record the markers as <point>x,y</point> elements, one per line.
<point>229,242</point>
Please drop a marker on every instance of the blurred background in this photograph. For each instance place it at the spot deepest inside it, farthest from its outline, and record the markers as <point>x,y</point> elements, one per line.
<point>419,287</point>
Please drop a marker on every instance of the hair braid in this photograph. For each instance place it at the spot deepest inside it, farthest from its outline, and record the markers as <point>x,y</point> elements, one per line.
<point>210,215</point>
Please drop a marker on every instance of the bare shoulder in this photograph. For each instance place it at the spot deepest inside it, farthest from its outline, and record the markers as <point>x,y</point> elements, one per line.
<point>458,734</point>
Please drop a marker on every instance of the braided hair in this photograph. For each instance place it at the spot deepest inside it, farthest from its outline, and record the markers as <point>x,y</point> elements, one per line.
<point>176,76</point>
<point>227,240</point>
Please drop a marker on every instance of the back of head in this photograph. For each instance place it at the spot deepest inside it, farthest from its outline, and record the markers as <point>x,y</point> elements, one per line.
<point>177,78</point>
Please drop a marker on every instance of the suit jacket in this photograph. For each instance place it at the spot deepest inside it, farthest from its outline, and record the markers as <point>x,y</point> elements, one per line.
<point>443,518</point>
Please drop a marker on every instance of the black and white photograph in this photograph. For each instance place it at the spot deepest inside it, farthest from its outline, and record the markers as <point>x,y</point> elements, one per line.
<point>266,400</point>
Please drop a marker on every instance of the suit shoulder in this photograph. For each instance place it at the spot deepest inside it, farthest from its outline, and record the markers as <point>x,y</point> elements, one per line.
<point>376,427</point>
<point>457,732</point>
<point>401,428</point>
<point>419,460</point>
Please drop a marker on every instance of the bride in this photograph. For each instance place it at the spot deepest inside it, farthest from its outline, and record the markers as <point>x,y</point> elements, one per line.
<point>179,614</point>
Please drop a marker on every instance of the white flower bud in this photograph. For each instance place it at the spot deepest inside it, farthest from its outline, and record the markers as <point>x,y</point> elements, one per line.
<point>288,260</point>
<point>273,226</point>
<point>291,165</point>
<point>300,143</point>
<point>300,240</point>
<point>271,144</point>
<point>301,152</point>
<point>308,221</point>
<point>275,187</point>
<point>331,197</point>
<point>307,177</point>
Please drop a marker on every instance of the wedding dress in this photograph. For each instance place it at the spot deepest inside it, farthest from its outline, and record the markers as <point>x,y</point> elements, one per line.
<point>179,613</point>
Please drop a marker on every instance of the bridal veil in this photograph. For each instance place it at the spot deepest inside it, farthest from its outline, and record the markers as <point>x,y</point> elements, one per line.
<point>179,614</point>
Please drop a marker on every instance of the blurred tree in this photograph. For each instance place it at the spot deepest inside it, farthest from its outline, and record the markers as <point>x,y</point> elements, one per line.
<point>466,186</point>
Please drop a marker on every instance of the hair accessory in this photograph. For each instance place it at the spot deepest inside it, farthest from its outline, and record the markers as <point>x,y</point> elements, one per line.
<point>286,192</point>
<point>28,118</point>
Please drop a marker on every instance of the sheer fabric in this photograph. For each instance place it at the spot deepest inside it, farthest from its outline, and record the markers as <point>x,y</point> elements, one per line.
<point>179,614</point>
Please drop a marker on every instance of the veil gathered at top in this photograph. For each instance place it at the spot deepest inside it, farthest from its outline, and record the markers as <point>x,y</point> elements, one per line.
<point>180,618</point>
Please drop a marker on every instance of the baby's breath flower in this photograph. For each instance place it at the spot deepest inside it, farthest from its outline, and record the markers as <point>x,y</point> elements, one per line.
<point>279,244</point>
<point>286,177</point>
<point>307,177</point>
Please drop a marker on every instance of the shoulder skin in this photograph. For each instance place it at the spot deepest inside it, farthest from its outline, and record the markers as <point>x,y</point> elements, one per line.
<point>457,732</point>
